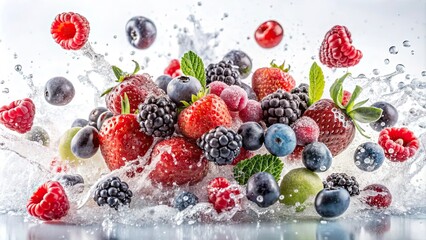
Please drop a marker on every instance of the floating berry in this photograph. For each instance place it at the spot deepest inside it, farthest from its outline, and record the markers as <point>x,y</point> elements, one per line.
<point>141,32</point>
<point>173,70</point>
<point>336,50</point>
<point>49,202</point>
<point>240,59</point>
<point>59,91</point>
<point>306,130</point>
<point>70,30</point>
<point>377,195</point>
<point>369,156</point>
<point>389,116</point>
<point>269,34</point>
<point>399,144</point>
<point>18,115</point>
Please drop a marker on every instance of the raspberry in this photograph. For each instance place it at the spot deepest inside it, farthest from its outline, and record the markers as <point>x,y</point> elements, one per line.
<point>222,195</point>
<point>377,195</point>
<point>346,96</point>
<point>49,202</point>
<point>399,144</point>
<point>337,51</point>
<point>58,166</point>
<point>252,112</point>
<point>306,130</point>
<point>173,70</point>
<point>217,87</point>
<point>235,98</point>
<point>70,30</point>
<point>18,116</point>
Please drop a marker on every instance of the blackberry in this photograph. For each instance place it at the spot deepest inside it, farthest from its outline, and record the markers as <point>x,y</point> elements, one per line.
<point>342,180</point>
<point>184,200</point>
<point>220,145</point>
<point>223,71</point>
<point>303,92</point>
<point>113,192</point>
<point>281,107</point>
<point>157,116</point>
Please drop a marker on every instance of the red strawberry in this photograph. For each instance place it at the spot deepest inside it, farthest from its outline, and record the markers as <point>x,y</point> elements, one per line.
<point>137,88</point>
<point>336,122</point>
<point>173,70</point>
<point>346,96</point>
<point>70,30</point>
<point>269,79</point>
<point>222,195</point>
<point>49,202</point>
<point>399,144</point>
<point>179,162</point>
<point>121,140</point>
<point>203,115</point>
<point>18,115</point>
<point>337,51</point>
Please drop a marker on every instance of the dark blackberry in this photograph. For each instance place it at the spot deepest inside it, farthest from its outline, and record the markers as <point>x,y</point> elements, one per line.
<point>303,92</point>
<point>113,192</point>
<point>220,145</point>
<point>343,180</point>
<point>157,116</point>
<point>223,71</point>
<point>281,107</point>
<point>185,200</point>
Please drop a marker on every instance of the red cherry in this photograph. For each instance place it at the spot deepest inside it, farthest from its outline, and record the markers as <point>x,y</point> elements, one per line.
<point>377,196</point>
<point>269,34</point>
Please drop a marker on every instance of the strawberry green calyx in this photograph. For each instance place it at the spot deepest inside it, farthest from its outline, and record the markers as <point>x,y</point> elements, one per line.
<point>355,111</point>
<point>125,104</point>
<point>273,65</point>
<point>120,75</point>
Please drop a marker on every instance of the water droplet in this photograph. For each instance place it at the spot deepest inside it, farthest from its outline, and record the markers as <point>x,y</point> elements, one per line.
<point>132,53</point>
<point>185,198</point>
<point>367,160</point>
<point>406,43</point>
<point>393,50</point>
<point>225,15</point>
<point>297,204</point>
<point>323,222</point>
<point>376,71</point>
<point>2,82</point>
<point>382,124</point>
<point>259,199</point>
<point>400,68</point>
<point>18,68</point>
<point>401,85</point>
<point>424,73</point>
<point>115,36</point>
<point>387,61</point>
<point>362,150</point>
<point>15,56</point>
<point>357,163</point>
<point>313,57</point>
<point>361,76</point>
<point>281,197</point>
<point>323,168</point>
<point>390,150</point>
<point>412,52</point>
<point>5,90</point>
<point>199,3</point>
<point>408,76</point>
<point>296,190</point>
<point>120,59</point>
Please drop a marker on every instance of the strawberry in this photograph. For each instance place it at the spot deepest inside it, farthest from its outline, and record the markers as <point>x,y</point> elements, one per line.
<point>121,139</point>
<point>206,113</point>
<point>336,122</point>
<point>269,79</point>
<point>179,162</point>
<point>337,51</point>
<point>137,87</point>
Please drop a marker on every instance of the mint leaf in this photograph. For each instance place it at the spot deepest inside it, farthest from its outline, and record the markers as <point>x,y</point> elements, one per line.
<point>192,65</point>
<point>366,114</point>
<point>354,96</point>
<point>259,163</point>
<point>117,72</point>
<point>316,83</point>
<point>137,67</point>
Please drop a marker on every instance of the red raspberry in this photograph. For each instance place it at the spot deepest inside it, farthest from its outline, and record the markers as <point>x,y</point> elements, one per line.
<point>18,115</point>
<point>222,195</point>
<point>58,166</point>
<point>173,70</point>
<point>306,130</point>
<point>399,144</point>
<point>337,51</point>
<point>346,97</point>
<point>49,202</point>
<point>378,196</point>
<point>70,30</point>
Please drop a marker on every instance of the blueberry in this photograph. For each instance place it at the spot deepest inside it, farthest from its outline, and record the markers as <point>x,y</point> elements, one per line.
<point>70,180</point>
<point>59,91</point>
<point>252,134</point>
<point>101,119</point>
<point>184,200</point>
<point>182,88</point>
<point>38,134</point>
<point>262,189</point>
<point>240,59</point>
<point>162,82</point>
<point>369,156</point>
<point>85,143</point>
<point>317,157</point>
<point>280,140</point>
<point>141,32</point>
<point>388,119</point>
<point>79,122</point>
<point>95,113</point>
<point>250,92</point>
<point>332,202</point>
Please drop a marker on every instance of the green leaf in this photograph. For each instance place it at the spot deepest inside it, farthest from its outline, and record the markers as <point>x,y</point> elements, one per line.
<point>361,130</point>
<point>360,104</point>
<point>125,104</point>
<point>117,72</point>
<point>366,114</point>
<point>336,91</point>
<point>192,65</point>
<point>316,83</point>
<point>354,96</point>
<point>107,91</point>
<point>259,163</point>
<point>137,67</point>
